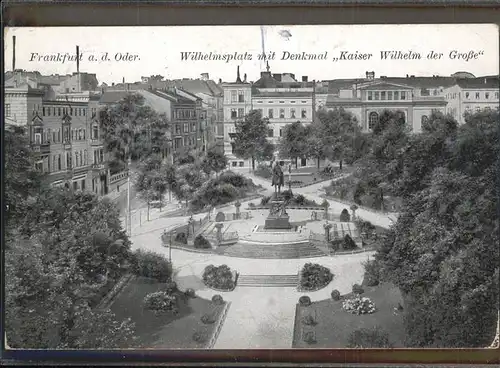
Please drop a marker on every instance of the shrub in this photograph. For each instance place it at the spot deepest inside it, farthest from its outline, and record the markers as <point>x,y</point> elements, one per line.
<point>190,293</point>
<point>170,287</point>
<point>335,294</point>
<point>201,242</point>
<point>336,244</point>
<point>219,277</point>
<point>308,320</point>
<point>287,194</point>
<point>357,289</point>
<point>369,338</point>
<point>199,337</point>
<point>251,205</point>
<point>265,200</point>
<point>300,199</point>
<point>208,319</point>
<point>234,179</point>
<point>181,238</point>
<point>309,337</point>
<point>160,301</point>
<point>305,301</point>
<point>372,273</point>
<point>151,265</point>
<point>217,300</point>
<point>358,305</point>
<point>349,243</point>
<point>314,277</point>
<point>344,216</point>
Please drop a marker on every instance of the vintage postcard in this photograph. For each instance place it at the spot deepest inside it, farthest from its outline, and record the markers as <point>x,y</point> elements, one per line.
<point>251,187</point>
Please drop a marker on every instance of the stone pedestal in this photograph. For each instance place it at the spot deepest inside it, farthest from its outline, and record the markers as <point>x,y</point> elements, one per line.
<point>278,218</point>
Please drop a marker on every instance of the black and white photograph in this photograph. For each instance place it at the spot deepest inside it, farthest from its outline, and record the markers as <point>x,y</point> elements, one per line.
<point>251,187</point>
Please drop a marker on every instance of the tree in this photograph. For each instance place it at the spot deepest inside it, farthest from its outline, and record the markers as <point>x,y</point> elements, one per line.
<point>338,130</point>
<point>47,304</point>
<point>153,179</point>
<point>214,161</point>
<point>132,130</point>
<point>443,251</point>
<point>189,178</point>
<point>21,180</point>
<point>250,140</point>
<point>315,144</point>
<point>293,143</point>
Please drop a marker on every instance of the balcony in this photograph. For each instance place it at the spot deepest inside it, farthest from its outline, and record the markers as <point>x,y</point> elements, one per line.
<point>42,148</point>
<point>95,142</point>
<point>99,166</point>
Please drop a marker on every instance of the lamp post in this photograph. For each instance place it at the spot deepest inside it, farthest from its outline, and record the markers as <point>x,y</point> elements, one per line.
<point>290,177</point>
<point>173,232</point>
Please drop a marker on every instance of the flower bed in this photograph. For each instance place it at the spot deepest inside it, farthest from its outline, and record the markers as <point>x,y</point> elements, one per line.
<point>314,277</point>
<point>160,301</point>
<point>359,305</point>
<point>219,278</point>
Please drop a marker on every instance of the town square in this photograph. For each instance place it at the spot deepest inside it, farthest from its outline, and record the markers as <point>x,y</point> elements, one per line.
<point>253,205</point>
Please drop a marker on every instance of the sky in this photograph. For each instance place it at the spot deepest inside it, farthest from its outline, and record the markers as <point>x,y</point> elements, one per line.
<point>157,50</point>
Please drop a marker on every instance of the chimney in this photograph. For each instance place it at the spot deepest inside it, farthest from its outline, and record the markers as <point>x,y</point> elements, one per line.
<point>407,76</point>
<point>485,81</point>
<point>220,80</point>
<point>123,80</point>
<point>13,53</point>
<point>370,75</point>
<point>304,78</point>
<point>245,78</point>
<point>238,79</point>
<point>205,76</point>
<point>78,68</point>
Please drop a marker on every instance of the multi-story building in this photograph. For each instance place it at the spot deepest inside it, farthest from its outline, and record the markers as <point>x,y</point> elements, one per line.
<point>237,104</point>
<point>366,99</point>
<point>471,95</point>
<point>283,100</point>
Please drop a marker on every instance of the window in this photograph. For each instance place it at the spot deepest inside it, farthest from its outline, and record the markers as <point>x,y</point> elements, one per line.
<point>242,163</point>
<point>282,113</point>
<point>7,109</point>
<point>83,184</point>
<point>270,113</point>
<point>234,114</point>
<point>370,95</point>
<point>53,136</point>
<point>234,163</point>
<point>186,128</point>
<point>281,132</point>
<point>303,113</point>
<point>38,138</point>
<point>486,95</point>
<point>396,95</point>
<point>177,129</point>
<point>435,92</point>
<point>389,95</point>
<point>186,141</point>
<point>95,132</point>
<point>43,111</point>
<point>77,159</point>
<point>477,95</point>
<point>193,127</point>
<point>382,95</point>
<point>80,134</point>
<point>496,95</point>
<point>424,120</point>
<point>377,95</point>
<point>58,135</point>
<point>75,185</point>
<point>270,133</point>
<point>478,109</point>
<point>466,94</point>
<point>292,102</point>
<point>241,112</point>
<point>372,120</point>
<point>85,158</point>
<point>48,111</point>
<point>68,160</point>
<point>282,101</point>
<point>58,111</point>
<point>403,95</point>
<point>260,111</point>
<point>241,96</point>
<point>292,113</point>
<point>234,96</point>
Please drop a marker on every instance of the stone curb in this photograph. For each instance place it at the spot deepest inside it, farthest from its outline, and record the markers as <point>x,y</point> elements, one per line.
<point>220,323</point>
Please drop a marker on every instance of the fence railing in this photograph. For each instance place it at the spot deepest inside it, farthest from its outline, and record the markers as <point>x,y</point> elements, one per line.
<point>230,236</point>
<point>232,216</point>
<point>117,177</point>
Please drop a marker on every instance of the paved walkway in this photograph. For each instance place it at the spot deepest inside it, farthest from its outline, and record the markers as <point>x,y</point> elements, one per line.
<point>259,317</point>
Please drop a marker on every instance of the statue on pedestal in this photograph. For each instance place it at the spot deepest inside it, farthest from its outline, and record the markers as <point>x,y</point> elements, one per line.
<point>278,178</point>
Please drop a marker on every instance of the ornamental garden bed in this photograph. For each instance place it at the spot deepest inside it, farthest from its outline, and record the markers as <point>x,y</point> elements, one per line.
<point>325,324</point>
<point>314,277</point>
<point>167,329</point>
<point>220,278</point>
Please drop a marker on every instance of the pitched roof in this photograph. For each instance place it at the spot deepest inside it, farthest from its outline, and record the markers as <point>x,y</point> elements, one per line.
<point>281,94</point>
<point>110,97</point>
<point>485,82</point>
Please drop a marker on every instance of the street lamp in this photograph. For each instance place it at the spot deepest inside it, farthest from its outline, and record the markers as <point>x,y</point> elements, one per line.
<point>173,232</point>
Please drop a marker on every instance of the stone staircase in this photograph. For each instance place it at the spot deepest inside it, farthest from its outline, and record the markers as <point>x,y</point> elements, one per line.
<point>274,251</point>
<point>267,281</point>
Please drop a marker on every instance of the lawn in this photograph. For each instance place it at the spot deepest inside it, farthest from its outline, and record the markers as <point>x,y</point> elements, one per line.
<point>166,330</point>
<point>334,325</point>
<point>303,176</point>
